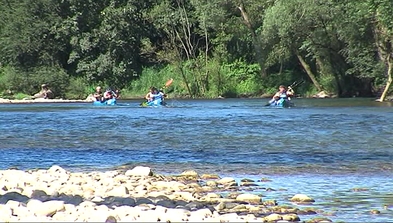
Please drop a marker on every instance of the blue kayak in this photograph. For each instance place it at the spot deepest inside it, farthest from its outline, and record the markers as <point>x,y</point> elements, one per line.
<point>282,103</point>
<point>107,102</point>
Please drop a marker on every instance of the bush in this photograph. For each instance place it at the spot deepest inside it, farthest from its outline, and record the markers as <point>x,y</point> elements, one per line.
<point>29,82</point>
<point>78,88</point>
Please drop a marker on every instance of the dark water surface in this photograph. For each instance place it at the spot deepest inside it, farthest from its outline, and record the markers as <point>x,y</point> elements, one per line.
<point>323,148</point>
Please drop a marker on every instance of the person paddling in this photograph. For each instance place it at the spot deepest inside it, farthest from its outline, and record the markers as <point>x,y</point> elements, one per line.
<point>282,94</point>
<point>154,96</point>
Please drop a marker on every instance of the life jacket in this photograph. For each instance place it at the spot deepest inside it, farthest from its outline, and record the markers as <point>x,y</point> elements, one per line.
<point>284,96</point>
<point>159,96</point>
<point>108,95</point>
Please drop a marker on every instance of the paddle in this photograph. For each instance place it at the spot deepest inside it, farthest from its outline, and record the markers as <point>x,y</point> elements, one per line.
<point>167,84</point>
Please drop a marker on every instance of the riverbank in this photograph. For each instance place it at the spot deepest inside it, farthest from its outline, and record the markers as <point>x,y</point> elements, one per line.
<point>140,195</point>
<point>40,100</point>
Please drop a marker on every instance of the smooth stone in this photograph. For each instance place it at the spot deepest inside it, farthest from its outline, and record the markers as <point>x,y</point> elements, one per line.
<point>302,198</point>
<point>167,203</point>
<point>139,171</point>
<point>226,180</point>
<point>251,198</point>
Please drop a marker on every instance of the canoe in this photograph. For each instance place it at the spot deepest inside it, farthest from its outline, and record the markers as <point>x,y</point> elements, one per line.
<point>282,103</point>
<point>107,102</point>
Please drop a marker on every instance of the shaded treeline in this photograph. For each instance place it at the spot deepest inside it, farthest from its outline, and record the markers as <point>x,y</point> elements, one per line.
<point>210,47</point>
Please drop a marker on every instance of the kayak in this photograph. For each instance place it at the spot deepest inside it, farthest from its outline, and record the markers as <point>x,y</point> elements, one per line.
<point>157,103</point>
<point>107,102</point>
<point>282,103</point>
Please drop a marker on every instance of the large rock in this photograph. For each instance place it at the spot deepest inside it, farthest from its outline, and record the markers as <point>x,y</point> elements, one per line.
<point>302,198</point>
<point>119,191</point>
<point>139,171</point>
<point>48,208</point>
<point>250,198</point>
<point>226,181</point>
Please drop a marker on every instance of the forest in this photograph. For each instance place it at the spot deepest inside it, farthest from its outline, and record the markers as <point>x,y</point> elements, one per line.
<point>211,48</point>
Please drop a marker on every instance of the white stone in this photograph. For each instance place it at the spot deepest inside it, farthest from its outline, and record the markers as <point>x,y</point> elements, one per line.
<point>139,171</point>
<point>226,180</point>
<point>251,198</point>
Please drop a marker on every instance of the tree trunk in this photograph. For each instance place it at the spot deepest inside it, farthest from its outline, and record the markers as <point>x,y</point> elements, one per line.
<point>389,80</point>
<point>256,43</point>
<point>309,72</point>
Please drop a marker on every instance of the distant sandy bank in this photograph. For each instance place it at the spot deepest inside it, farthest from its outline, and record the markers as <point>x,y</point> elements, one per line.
<point>41,100</point>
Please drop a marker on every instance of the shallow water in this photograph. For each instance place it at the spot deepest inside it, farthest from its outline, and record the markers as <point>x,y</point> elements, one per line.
<point>323,148</point>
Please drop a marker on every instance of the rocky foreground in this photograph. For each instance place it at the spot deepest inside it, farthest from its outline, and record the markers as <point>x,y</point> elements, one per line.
<point>137,195</point>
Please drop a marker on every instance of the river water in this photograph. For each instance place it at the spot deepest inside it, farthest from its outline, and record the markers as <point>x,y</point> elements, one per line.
<point>325,148</point>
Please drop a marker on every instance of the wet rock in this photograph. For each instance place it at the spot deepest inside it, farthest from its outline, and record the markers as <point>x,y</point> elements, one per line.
<point>15,196</point>
<point>270,203</point>
<point>195,205</point>
<point>248,184</point>
<point>70,199</point>
<point>210,177</point>
<point>139,171</point>
<point>375,212</point>
<point>307,211</point>
<point>360,189</point>
<point>319,220</point>
<point>39,195</point>
<point>302,198</point>
<point>166,203</point>
<point>247,180</point>
<point>111,219</point>
<point>265,180</point>
<point>142,200</point>
<point>250,198</point>
<point>270,189</point>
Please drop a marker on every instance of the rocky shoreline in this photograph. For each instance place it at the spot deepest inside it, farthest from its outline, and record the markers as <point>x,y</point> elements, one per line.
<point>138,195</point>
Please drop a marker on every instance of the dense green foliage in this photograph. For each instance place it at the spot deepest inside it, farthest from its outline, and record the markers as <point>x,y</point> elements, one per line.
<point>211,48</point>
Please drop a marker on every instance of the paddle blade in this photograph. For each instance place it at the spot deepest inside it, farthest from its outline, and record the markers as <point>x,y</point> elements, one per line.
<point>169,82</point>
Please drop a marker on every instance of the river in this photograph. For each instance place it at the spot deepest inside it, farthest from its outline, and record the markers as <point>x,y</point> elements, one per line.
<point>325,148</point>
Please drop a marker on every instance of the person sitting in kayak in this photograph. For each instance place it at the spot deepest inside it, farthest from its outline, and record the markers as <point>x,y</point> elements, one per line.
<point>98,94</point>
<point>155,96</point>
<point>282,94</point>
<point>109,94</point>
